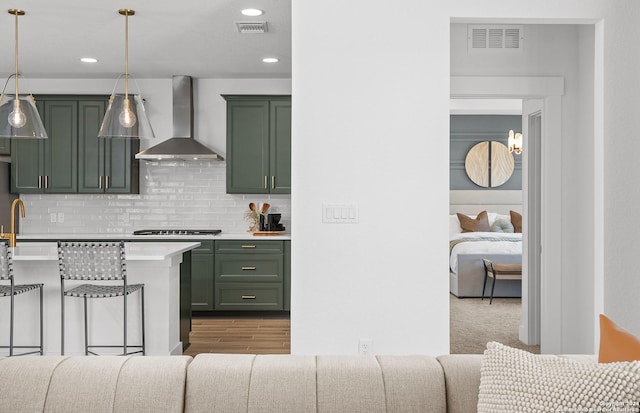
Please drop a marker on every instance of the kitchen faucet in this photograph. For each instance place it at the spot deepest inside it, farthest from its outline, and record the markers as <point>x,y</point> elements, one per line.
<point>11,236</point>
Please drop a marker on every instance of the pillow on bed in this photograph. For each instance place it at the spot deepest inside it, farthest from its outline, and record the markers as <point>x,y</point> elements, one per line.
<point>516,220</point>
<point>502,225</point>
<point>479,224</point>
<point>454,225</point>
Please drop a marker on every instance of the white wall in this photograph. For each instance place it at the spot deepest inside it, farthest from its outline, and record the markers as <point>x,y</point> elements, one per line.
<point>371,129</point>
<point>361,281</point>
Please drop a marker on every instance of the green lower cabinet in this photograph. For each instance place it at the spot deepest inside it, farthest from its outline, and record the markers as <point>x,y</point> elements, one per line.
<point>287,276</point>
<point>5,146</point>
<point>202,277</point>
<point>249,275</point>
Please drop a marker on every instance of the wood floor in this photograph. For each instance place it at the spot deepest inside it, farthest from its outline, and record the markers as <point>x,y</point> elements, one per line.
<point>240,335</point>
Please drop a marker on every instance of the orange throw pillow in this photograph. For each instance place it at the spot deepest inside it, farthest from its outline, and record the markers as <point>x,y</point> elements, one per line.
<point>616,344</point>
<point>479,224</point>
<point>516,220</point>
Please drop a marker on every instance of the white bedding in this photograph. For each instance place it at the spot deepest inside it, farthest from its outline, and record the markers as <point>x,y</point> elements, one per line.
<point>512,244</point>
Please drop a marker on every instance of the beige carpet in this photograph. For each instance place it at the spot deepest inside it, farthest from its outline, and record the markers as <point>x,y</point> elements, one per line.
<point>474,323</point>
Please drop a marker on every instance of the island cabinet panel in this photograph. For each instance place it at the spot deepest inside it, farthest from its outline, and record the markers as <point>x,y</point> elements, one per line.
<point>74,159</point>
<point>258,144</point>
<point>202,283</point>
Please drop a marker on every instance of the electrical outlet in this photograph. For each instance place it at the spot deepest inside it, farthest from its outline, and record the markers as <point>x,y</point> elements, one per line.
<point>365,346</point>
<point>52,216</point>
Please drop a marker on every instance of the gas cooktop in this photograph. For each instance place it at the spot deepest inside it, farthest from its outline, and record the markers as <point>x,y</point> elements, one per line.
<point>177,232</point>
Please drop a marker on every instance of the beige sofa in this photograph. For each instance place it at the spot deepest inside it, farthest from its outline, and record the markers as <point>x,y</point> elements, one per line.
<point>240,383</point>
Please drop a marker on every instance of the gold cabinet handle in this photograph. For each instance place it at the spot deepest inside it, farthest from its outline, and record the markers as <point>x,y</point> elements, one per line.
<point>100,182</point>
<point>46,181</point>
<point>248,268</point>
<point>39,181</point>
<point>273,182</point>
<point>106,182</point>
<point>248,297</point>
<point>265,182</point>
<point>247,246</point>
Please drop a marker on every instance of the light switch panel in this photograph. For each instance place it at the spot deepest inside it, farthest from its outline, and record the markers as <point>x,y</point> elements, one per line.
<point>340,213</point>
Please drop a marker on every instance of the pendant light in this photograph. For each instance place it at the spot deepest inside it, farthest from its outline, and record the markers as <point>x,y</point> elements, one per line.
<point>19,116</point>
<point>125,116</point>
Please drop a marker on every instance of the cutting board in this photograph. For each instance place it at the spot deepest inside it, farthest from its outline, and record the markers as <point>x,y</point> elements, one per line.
<point>267,233</point>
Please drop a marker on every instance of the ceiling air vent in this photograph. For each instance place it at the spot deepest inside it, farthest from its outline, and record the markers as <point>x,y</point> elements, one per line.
<point>494,37</point>
<point>252,27</point>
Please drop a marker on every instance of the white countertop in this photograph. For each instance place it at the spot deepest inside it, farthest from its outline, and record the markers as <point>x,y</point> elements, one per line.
<point>134,251</point>
<point>131,237</point>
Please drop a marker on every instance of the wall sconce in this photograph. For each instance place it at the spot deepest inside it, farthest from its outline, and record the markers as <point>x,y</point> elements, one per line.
<point>515,142</point>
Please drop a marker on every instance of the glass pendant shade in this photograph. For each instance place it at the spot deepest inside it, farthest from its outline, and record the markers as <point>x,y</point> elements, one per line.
<point>125,118</point>
<point>19,118</point>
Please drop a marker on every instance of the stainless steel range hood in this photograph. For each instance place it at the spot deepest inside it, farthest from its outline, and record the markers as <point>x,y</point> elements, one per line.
<point>182,147</point>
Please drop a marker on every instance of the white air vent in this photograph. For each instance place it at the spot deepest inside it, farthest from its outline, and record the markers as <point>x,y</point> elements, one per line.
<point>252,27</point>
<point>494,37</point>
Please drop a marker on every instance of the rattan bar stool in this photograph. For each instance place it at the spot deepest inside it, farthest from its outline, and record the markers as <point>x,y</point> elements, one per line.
<point>11,290</point>
<point>97,261</point>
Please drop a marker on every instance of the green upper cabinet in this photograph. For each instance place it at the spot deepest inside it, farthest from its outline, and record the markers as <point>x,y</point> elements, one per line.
<point>104,164</point>
<point>5,146</point>
<point>258,144</point>
<point>73,159</point>
<point>48,165</point>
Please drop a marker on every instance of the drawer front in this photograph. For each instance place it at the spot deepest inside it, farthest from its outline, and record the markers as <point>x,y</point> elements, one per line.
<point>249,268</point>
<point>248,296</point>
<point>206,247</point>
<point>249,247</point>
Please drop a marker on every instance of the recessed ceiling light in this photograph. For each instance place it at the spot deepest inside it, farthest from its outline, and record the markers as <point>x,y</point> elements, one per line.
<point>252,12</point>
<point>271,60</point>
<point>89,60</point>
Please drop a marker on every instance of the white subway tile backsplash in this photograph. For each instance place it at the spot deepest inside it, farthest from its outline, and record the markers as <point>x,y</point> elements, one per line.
<point>172,195</point>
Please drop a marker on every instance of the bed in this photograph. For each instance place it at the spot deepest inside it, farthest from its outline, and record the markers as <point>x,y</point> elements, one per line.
<point>467,249</point>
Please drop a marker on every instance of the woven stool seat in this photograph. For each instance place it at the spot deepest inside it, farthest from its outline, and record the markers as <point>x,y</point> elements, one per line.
<point>5,290</point>
<point>101,291</point>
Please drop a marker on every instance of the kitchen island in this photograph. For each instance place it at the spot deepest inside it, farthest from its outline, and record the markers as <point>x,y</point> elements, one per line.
<point>157,265</point>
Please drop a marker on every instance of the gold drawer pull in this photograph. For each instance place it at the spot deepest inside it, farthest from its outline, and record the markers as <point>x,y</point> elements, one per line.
<point>248,268</point>
<point>248,246</point>
<point>248,297</point>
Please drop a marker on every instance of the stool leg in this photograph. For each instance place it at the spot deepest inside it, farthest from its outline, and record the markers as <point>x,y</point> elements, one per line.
<point>142,312</point>
<point>125,323</point>
<point>62,318</point>
<point>11,324</point>
<point>484,285</point>
<point>493,287</point>
<point>86,329</point>
<point>41,324</point>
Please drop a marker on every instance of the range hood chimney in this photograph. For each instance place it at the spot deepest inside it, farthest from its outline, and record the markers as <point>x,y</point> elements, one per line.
<point>182,147</point>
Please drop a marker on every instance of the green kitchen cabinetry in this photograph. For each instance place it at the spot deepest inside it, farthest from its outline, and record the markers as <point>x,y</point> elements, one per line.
<point>258,144</point>
<point>48,165</point>
<point>104,164</point>
<point>202,259</point>
<point>5,146</point>
<point>73,159</point>
<point>249,275</point>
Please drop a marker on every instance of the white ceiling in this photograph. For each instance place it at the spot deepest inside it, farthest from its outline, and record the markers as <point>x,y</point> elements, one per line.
<point>166,37</point>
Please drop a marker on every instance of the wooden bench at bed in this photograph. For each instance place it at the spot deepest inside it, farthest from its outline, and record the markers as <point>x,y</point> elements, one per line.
<point>503,271</point>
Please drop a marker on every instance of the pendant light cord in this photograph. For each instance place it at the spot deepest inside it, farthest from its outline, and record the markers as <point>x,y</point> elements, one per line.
<point>126,56</point>
<point>16,57</point>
